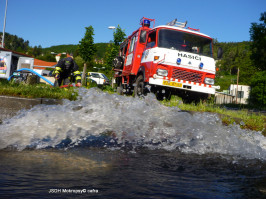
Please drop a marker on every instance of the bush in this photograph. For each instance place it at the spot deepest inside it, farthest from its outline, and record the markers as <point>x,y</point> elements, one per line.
<point>258,90</point>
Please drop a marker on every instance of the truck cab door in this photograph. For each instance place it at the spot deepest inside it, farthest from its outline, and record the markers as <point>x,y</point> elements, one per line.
<point>129,62</point>
<point>147,56</point>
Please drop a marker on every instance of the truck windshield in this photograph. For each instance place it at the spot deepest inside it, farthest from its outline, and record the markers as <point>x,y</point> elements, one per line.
<point>173,39</point>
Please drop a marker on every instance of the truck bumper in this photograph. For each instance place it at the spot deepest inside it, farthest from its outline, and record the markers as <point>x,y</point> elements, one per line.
<point>183,85</point>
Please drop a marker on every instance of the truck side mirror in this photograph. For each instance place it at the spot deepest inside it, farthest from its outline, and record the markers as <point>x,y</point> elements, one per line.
<point>220,53</point>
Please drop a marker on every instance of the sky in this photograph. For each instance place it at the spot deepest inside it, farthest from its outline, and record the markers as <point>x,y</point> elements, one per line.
<point>56,22</point>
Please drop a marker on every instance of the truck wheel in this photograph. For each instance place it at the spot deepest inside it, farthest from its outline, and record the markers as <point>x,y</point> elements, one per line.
<point>139,86</point>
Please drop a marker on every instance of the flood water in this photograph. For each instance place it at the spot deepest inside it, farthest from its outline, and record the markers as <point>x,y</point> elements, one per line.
<point>111,146</point>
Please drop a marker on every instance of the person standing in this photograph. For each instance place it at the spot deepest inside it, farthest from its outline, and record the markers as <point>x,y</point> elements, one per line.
<point>67,71</point>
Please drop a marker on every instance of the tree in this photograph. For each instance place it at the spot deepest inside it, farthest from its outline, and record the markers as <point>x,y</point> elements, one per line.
<point>79,61</point>
<point>87,49</point>
<point>258,90</point>
<point>37,51</point>
<point>119,35</point>
<point>258,57</point>
<point>236,55</point>
<point>47,57</point>
<point>15,43</point>
<point>113,49</point>
<point>258,36</point>
<point>111,52</point>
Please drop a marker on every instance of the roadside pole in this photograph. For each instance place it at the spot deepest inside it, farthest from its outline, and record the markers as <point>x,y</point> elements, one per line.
<point>237,84</point>
<point>3,37</point>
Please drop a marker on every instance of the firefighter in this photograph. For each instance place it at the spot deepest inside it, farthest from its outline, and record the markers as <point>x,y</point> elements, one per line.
<point>66,71</point>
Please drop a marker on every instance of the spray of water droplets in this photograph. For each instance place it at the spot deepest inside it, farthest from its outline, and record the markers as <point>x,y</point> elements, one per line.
<point>139,122</point>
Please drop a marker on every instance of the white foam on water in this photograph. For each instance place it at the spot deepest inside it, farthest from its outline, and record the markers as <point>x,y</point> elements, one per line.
<point>142,122</point>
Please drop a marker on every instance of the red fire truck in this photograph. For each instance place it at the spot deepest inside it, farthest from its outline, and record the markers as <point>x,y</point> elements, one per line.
<point>166,60</point>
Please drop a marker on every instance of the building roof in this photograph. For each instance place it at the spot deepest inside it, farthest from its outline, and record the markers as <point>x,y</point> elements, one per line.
<point>15,52</point>
<point>40,64</point>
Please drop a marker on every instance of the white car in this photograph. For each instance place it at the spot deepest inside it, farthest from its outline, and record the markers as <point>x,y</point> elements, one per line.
<point>99,78</point>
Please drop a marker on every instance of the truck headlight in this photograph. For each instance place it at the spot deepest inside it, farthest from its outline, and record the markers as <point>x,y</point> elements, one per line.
<point>209,81</point>
<point>162,72</point>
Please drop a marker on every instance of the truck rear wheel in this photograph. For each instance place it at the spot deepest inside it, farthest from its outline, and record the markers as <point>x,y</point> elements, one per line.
<point>139,86</point>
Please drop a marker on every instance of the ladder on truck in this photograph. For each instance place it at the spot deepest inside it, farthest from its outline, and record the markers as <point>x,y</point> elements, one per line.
<point>177,23</point>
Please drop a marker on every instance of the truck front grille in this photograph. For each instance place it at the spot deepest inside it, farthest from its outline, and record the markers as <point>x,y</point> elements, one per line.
<point>187,75</point>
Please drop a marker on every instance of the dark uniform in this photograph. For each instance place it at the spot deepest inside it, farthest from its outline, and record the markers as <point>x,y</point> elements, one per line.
<point>66,71</point>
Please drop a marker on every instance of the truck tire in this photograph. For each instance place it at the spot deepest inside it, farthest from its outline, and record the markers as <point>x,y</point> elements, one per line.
<point>118,62</point>
<point>139,89</point>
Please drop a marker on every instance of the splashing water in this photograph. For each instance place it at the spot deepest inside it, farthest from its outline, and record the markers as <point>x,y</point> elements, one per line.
<point>139,122</point>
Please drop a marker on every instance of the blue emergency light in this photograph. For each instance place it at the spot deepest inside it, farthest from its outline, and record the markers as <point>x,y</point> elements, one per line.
<point>178,61</point>
<point>201,65</point>
<point>146,23</point>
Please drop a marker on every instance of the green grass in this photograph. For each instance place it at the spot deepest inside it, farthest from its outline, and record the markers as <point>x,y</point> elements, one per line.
<point>246,119</point>
<point>36,91</point>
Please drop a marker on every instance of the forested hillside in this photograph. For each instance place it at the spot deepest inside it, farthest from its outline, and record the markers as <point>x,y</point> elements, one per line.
<point>15,43</point>
<point>72,48</point>
<point>236,56</point>
<point>61,48</point>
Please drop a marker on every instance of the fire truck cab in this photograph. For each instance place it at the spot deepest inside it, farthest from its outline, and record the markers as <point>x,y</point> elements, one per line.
<point>168,59</point>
